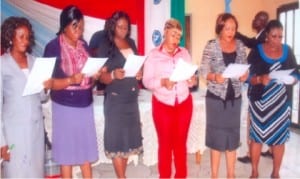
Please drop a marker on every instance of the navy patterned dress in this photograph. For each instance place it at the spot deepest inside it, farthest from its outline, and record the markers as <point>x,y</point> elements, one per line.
<point>270,111</point>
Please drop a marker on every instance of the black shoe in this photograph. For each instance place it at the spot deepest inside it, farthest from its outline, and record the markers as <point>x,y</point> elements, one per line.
<point>245,159</point>
<point>267,154</point>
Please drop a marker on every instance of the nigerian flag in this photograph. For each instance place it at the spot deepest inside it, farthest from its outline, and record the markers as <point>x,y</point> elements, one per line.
<point>157,12</point>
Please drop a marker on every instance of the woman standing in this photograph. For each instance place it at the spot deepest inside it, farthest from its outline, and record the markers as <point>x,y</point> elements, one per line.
<point>122,132</point>
<point>270,111</point>
<point>74,133</point>
<point>22,145</point>
<point>223,97</point>
<point>172,103</point>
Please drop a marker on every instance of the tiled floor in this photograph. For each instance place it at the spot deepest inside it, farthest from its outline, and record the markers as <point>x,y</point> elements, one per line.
<point>290,166</point>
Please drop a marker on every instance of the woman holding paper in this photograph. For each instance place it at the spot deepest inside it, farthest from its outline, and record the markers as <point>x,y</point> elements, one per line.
<point>269,99</point>
<point>122,131</point>
<point>74,133</point>
<point>172,102</point>
<point>223,98</point>
<point>22,124</point>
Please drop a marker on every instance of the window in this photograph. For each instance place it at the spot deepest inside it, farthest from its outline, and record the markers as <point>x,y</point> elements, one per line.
<point>288,15</point>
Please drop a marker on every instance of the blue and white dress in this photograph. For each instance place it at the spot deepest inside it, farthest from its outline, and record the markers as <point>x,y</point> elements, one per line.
<point>269,106</point>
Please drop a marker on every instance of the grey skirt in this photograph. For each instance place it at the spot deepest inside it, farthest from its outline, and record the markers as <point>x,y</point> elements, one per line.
<point>223,124</point>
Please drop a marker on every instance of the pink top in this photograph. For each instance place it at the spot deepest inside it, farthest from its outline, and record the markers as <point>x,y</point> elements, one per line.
<point>160,64</point>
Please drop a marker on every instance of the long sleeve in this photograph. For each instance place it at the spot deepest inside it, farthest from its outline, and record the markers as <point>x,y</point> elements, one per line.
<point>2,136</point>
<point>150,80</point>
<point>249,42</point>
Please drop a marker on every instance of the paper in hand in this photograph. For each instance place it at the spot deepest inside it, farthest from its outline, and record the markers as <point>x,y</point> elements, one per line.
<point>41,71</point>
<point>283,76</point>
<point>235,70</point>
<point>133,65</point>
<point>183,71</point>
<point>93,65</point>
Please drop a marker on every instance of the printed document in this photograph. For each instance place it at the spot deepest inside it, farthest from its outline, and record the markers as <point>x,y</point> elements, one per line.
<point>283,76</point>
<point>183,71</point>
<point>133,64</point>
<point>41,71</point>
<point>93,65</point>
<point>234,70</point>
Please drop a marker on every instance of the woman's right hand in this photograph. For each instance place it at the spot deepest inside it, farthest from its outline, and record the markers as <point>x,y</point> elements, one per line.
<point>4,153</point>
<point>219,78</point>
<point>165,82</point>
<point>118,73</point>
<point>77,78</point>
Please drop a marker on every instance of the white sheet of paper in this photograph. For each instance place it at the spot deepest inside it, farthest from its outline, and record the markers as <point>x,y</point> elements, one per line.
<point>92,65</point>
<point>41,71</point>
<point>183,71</point>
<point>282,76</point>
<point>133,64</point>
<point>234,70</point>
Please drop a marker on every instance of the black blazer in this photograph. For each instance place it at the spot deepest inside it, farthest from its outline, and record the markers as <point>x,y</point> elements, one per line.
<point>252,42</point>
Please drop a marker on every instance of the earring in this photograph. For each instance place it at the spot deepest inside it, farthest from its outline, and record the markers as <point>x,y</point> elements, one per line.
<point>10,42</point>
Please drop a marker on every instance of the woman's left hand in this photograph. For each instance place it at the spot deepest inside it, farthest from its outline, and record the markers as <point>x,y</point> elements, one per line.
<point>48,84</point>
<point>139,75</point>
<point>244,77</point>
<point>192,81</point>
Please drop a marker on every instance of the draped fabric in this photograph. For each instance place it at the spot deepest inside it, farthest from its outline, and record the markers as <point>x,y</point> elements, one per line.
<point>147,18</point>
<point>44,16</point>
<point>177,12</point>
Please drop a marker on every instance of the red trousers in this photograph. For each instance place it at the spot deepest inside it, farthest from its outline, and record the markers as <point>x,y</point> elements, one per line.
<point>172,125</point>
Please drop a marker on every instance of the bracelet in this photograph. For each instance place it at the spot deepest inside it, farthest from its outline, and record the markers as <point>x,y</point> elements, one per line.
<point>112,75</point>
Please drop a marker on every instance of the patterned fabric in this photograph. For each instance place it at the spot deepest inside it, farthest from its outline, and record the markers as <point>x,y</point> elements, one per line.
<point>73,60</point>
<point>270,114</point>
<point>212,61</point>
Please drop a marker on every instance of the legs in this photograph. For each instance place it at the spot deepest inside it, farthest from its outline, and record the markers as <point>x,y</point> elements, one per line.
<point>255,150</point>
<point>163,116</point>
<point>215,156</point>
<point>172,124</point>
<point>230,163</point>
<point>181,128</point>
<point>66,171</point>
<point>86,170</point>
<point>120,165</point>
<point>278,151</point>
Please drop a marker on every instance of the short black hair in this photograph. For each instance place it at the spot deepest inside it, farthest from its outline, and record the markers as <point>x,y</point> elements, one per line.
<point>273,24</point>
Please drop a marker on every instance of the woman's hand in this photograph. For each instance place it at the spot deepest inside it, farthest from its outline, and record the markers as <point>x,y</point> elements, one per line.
<point>192,81</point>
<point>244,77</point>
<point>219,78</point>
<point>260,79</point>
<point>99,73</point>
<point>77,78</point>
<point>139,75</point>
<point>5,154</point>
<point>165,82</point>
<point>48,84</point>
<point>118,73</point>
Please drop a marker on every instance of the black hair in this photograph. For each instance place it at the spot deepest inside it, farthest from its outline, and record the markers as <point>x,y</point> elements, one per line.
<point>273,24</point>
<point>68,15</point>
<point>111,24</point>
<point>8,29</point>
